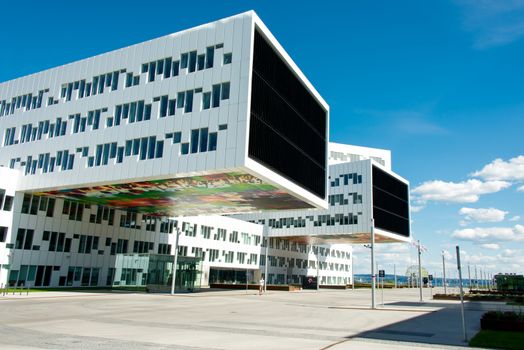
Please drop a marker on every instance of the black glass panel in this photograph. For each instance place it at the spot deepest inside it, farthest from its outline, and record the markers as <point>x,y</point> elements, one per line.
<point>288,125</point>
<point>390,203</point>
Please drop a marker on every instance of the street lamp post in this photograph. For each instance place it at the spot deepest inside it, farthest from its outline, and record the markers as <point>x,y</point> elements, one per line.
<point>266,234</point>
<point>444,272</point>
<point>175,261</point>
<point>419,271</point>
<point>373,277</point>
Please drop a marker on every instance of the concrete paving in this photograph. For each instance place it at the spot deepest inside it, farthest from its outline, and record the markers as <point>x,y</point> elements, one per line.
<point>338,320</point>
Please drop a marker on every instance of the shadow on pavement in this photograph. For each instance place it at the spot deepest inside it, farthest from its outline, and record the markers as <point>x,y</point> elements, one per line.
<point>443,327</point>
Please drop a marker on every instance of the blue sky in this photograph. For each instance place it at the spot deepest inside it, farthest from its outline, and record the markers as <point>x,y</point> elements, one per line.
<point>440,84</point>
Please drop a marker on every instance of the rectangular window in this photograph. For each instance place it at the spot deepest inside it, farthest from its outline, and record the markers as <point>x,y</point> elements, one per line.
<point>225,91</point>
<point>136,146</point>
<point>183,60</point>
<point>163,106</point>
<point>210,55</point>
<point>189,102</point>
<point>194,140</point>
<point>201,61</point>
<point>192,61</point>
<point>132,112</point>
<point>29,239</point>
<point>147,112</point>
<point>129,80</point>
<point>176,67</point>
<point>143,148</point>
<point>172,107</point>
<point>203,139</point>
<point>216,95</point>
<point>180,99</point>
<point>152,71</point>
<point>167,68</point>
<point>177,137</point>
<point>160,67</point>
<point>114,83</point>
<point>151,147</point>
<point>228,57</point>
<point>19,243</point>
<point>184,148</point>
<point>206,100</point>
<point>212,141</point>
<point>159,149</point>
<point>140,111</point>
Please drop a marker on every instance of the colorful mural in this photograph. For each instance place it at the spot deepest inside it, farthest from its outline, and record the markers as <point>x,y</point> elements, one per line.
<point>223,193</point>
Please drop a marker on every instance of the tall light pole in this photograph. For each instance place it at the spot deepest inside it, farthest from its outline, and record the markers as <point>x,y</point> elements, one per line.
<point>373,277</point>
<point>395,274</point>
<point>419,271</point>
<point>352,272</point>
<point>461,295</point>
<point>444,273</point>
<point>175,261</point>
<point>476,279</point>
<point>469,278</point>
<point>266,236</point>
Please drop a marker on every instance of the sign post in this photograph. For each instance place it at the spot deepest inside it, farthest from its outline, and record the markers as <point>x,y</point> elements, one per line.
<point>382,274</point>
<point>461,296</point>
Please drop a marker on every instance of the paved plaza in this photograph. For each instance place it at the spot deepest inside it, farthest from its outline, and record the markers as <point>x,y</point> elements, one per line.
<point>326,319</point>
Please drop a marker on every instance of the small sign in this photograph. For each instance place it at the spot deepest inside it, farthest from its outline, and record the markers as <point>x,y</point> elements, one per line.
<point>430,277</point>
<point>382,273</point>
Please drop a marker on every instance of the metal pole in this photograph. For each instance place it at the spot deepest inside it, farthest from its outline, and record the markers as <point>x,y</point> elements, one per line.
<point>373,277</point>
<point>469,278</point>
<point>318,268</point>
<point>461,296</point>
<point>419,271</point>
<point>395,273</point>
<point>382,291</point>
<point>352,271</point>
<point>175,261</point>
<point>476,279</point>
<point>266,234</point>
<point>444,273</point>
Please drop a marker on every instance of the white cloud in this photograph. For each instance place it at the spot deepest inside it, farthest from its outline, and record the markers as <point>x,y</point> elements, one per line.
<point>521,188</point>
<point>490,234</point>
<point>416,208</point>
<point>493,22</point>
<point>492,246</point>
<point>483,214</point>
<point>515,218</point>
<point>461,192</point>
<point>512,170</point>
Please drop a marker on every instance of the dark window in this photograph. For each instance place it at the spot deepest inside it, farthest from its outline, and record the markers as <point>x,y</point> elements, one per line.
<point>210,55</point>
<point>163,106</point>
<point>184,148</point>
<point>203,139</point>
<point>288,125</point>
<point>8,203</point>
<point>390,203</point>
<point>192,61</point>
<point>3,233</point>
<point>194,140</point>
<point>227,58</point>
<point>183,60</point>
<point>216,95</point>
<point>201,62</point>
<point>176,66</point>
<point>212,141</point>
<point>225,91</point>
<point>206,100</point>
<point>189,102</point>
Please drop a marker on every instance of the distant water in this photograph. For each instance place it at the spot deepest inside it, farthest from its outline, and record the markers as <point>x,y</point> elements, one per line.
<point>403,280</point>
